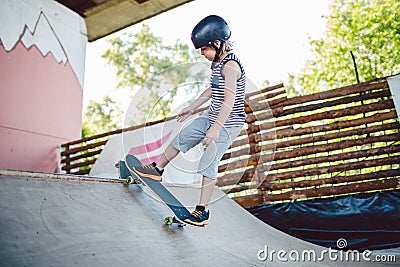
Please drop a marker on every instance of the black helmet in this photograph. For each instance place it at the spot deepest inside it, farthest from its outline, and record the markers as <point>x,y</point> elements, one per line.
<point>210,29</point>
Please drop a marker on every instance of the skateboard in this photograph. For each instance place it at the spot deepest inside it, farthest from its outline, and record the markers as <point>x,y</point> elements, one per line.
<point>179,212</point>
<point>123,169</point>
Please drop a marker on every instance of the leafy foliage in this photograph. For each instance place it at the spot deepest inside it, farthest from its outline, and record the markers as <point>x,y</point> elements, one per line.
<point>369,28</point>
<point>140,59</point>
<point>101,117</point>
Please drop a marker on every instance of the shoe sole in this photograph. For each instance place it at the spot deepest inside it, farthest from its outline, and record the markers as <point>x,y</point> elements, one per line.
<point>146,175</point>
<point>203,223</point>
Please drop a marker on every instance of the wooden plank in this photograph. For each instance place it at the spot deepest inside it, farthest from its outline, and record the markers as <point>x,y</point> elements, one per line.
<point>84,155</point>
<point>332,114</point>
<point>356,133</point>
<point>239,163</point>
<point>79,165</point>
<point>83,148</point>
<point>343,91</point>
<point>392,183</point>
<point>333,180</point>
<point>359,154</point>
<point>234,178</point>
<point>248,174</point>
<point>341,101</point>
<point>264,101</point>
<point>263,91</point>
<point>249,201</point>
<point>291,132</point>
<point>299,152</point>
<point>330,169</point>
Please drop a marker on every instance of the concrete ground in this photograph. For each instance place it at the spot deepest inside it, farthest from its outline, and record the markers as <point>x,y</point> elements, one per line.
<point>60,220</point>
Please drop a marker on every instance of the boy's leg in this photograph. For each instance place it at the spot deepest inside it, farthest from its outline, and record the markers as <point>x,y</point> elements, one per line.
<point>200,215</point>
<point>207,190</point>
<point>188,137</point>
<point>169,154</point>
<point>155,170</point>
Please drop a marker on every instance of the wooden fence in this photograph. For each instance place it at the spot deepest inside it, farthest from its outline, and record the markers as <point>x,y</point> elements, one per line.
<point>339,142</point>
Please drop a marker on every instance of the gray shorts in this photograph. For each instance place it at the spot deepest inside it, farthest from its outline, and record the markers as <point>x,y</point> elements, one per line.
<point>193,134</point>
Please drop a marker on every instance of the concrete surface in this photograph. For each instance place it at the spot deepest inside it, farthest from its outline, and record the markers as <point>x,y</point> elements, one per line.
<point>69,221</point>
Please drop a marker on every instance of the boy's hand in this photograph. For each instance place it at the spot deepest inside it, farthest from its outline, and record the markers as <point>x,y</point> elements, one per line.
<point>184,114</point>
<point>211,136</point>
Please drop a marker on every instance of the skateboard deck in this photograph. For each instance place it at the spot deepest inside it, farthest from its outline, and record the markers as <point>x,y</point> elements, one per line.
<point>179,211</point>
<point>123,169</point>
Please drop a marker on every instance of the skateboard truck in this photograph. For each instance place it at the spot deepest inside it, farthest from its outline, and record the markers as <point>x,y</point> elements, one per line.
<point>132,180</point>
<point>171,219</point>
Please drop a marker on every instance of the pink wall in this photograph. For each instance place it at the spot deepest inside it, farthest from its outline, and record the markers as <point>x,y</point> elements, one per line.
<point>42,55</point>
<point>40,109</point>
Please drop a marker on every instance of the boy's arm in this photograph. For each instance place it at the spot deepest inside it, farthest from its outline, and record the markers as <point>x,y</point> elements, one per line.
<point>186,112</point>
<point>231,73</point>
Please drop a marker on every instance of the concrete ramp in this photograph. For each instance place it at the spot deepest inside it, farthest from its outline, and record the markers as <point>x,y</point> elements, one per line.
<point>72,221</point>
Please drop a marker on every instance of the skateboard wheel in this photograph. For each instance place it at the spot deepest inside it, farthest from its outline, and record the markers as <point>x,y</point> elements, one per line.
<point>168,220</point>
<point>129,180</point>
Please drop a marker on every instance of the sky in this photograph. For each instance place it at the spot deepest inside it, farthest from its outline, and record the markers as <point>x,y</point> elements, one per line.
<point>271,38</point>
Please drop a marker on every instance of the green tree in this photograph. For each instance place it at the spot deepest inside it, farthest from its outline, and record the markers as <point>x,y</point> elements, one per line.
<point>265,84</point>
<point>141,61</point>
<point>369,28</point>
<point>290,86</point>
<point>100,117</point>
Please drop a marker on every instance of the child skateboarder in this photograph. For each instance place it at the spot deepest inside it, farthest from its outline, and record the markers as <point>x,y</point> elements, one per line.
<point>223,121</point>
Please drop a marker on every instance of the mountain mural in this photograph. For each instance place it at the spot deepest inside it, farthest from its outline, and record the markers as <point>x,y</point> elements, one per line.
<point>42,26</point>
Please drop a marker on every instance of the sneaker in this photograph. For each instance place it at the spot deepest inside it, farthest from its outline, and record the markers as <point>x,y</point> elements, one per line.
<point>199,216</point>
<point>148,171</point>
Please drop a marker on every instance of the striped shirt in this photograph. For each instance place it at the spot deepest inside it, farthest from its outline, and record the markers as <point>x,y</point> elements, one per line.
<point>237,116</point>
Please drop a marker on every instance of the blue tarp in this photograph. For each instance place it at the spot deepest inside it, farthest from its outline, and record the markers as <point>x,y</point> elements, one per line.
<point>366,221</point>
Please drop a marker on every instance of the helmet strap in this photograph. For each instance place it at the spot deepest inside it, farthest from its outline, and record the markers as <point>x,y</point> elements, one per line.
<point>217,55</point>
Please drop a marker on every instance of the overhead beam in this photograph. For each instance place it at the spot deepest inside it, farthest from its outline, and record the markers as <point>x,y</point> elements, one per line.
<point>111,16</point>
